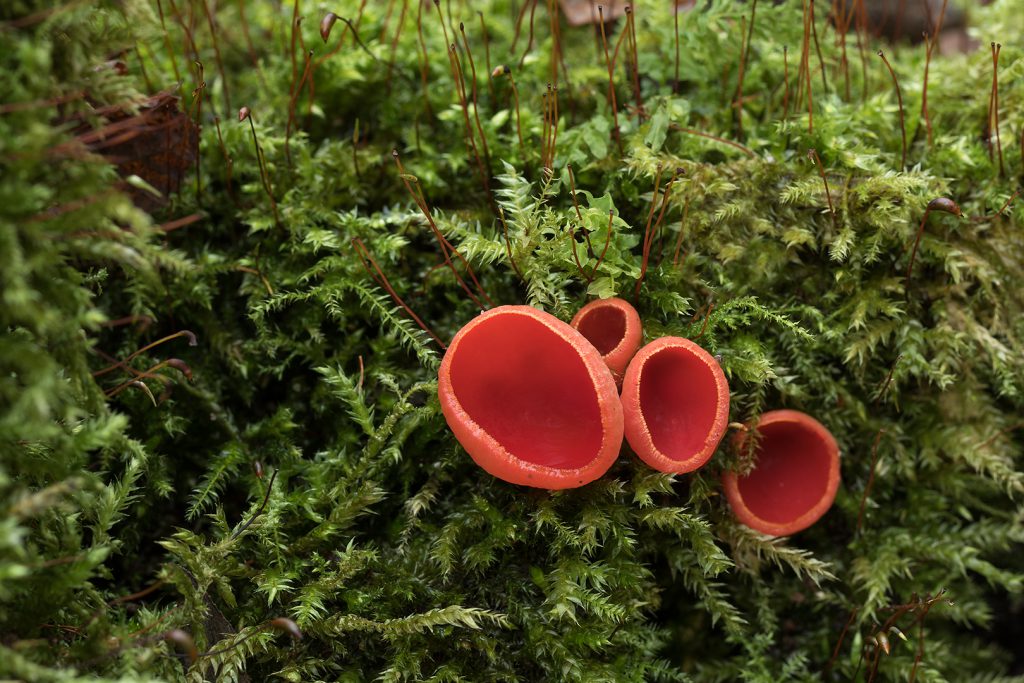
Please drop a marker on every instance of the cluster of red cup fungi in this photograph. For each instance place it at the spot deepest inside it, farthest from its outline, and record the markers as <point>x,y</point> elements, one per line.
<point>537,402</point>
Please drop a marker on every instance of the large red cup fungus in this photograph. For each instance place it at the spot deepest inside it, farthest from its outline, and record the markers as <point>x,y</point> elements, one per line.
<point>675,403</point>
<point>794,480</point>
<point>613,327</point>
<point>530,399</point>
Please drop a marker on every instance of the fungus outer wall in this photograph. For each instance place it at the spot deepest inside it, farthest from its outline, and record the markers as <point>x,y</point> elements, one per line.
<point>528,388</point>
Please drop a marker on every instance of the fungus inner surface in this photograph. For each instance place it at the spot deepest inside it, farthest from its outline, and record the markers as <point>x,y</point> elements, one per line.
<point>530,390</point>
<point>791,474</point>
<point>604,327</point>
<point>679,401</point>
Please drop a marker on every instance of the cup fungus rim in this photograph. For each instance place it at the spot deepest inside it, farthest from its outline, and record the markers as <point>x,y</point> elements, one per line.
<point>618,304</point>
<point>730,479</point>
<point>491,455</point>
<point>636,424</point>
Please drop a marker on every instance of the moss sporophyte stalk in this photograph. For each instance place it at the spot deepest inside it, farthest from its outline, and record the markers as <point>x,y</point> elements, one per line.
<point>230,350</point>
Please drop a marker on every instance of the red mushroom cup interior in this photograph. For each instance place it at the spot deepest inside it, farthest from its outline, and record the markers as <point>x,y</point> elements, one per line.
<point>530,399</point>
<point>613,327</point>
<point>795,477</point>
<point>604,327</point>
<point>676,404</point>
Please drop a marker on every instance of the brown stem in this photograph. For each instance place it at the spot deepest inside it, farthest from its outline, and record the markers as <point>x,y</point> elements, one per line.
<point>460,90</point>
<point>607,241</point>
<point>611,82</point>
<point>476,104</point>
<point>508,244</point>
<point>167,41</point>
<point>387,19</point>
<point>120,364</point>
<point>190,43</point>
<point>424,59</point>
<point>994,106</point>
<point>394,44</point>
<point>248,523</point>
<point>839,643</point>
<point>861,23</point>
<point>938,204</point>
<point>355,154</point>
<point>692,131</point>
<point>1006,205</point>
<point>675,82</point>
<point>228,161</point>
<point>575,256</point>
<point>572,191</point>
<point>557,25</point>
<point>197,102</point>
<point>813,154</point>
<point>657,230</point>
<point>216,52</point>
<point>248,37</point>
<point>704,325</point>
<point>886,381</point>
<point>899,98</point>
<point>447,247</point>
<point>744,56</point>
<point>842,26</point>
<point>378,275</point>
<point>648,233</point>
<point>246,113</point>
<point>555,46</point>
<point>519,24</point>
<point>291,49</point>
<point>631,28</point>
<point>817,49</point>
<point>809,80</point>
<point>682,225</point>
<point>871,480</point>
<point>291,107</point>
<point>785,77</point>
<point>519,120</point>
<point>554,128</point>
<point>487,57</point>
<point>929,44</point>
<point>529,42</point>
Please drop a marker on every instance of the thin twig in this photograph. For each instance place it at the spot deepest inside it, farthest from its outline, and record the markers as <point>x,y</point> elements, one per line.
<point>899,98</point>
<point>871,479</point>
<point>813,154</point>
<point>381,279</point>
<point>270,487</point>
<point>508,244</point>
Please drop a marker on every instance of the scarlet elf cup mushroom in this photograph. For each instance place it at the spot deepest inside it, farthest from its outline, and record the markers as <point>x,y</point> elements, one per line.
<point>613,327</point>
<point>530,399</point>
<point>795,477</point>
<point>675,403</point>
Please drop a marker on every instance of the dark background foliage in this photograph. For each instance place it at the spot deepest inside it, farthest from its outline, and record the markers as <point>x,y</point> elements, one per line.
<point>214,416</point>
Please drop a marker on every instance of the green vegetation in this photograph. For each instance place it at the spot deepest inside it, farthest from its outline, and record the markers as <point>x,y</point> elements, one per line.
<point>136,522</point>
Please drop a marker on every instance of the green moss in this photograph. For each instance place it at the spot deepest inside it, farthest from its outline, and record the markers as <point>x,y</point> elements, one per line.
<point>370,527</point>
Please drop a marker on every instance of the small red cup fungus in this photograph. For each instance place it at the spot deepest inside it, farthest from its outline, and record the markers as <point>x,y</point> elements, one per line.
<point>794,480</point>
<point>613,327</point>
<point>530,399</point>
<point>675,404</point>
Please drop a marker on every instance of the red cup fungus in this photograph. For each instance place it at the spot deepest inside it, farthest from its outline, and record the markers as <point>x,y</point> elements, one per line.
<point>675,404</point>
<point>613,327</point>
<point>794,480</point>
<point>530,399</point>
